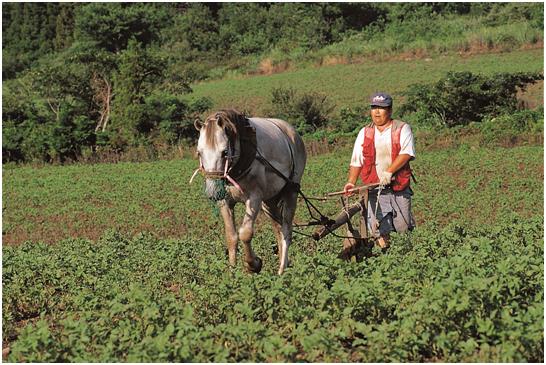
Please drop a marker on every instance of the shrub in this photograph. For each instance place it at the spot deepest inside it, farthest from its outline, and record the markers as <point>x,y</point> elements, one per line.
<point>508,127</point>
<point>173,117</point>
<point>306,111</point>
<point>464,97</point>
<point>352,119</point>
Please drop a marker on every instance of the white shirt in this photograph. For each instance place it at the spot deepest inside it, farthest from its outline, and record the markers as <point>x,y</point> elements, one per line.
<point>383,147</point>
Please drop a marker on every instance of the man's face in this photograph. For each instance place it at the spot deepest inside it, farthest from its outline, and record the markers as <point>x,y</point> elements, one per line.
<point>381,115</point>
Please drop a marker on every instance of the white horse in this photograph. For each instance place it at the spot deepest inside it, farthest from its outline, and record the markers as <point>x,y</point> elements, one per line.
<point>260,163</point>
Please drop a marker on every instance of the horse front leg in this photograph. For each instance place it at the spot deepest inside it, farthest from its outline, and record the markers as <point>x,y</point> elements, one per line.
<point>228,214</point>
<point>252,262</point>
<point>286,229</point>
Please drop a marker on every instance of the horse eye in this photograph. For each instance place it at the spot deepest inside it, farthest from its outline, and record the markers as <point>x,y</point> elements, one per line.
<point>224,153</point>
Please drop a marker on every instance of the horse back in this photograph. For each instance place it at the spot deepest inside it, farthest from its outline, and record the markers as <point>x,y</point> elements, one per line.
<point>275,136</point>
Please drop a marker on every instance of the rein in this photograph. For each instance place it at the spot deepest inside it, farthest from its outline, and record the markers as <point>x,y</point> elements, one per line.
<point>322,219</point>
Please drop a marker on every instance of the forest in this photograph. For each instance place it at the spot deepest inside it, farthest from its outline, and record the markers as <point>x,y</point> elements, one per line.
<point>80,78</point>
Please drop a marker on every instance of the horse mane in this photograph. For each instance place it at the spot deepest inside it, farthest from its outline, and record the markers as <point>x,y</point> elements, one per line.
<point>231,120</point>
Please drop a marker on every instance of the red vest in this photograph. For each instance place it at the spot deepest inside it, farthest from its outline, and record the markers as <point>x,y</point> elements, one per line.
<point>368,174</point>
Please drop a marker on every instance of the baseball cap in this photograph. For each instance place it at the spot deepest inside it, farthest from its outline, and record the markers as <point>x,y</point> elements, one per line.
<point>381,99</point>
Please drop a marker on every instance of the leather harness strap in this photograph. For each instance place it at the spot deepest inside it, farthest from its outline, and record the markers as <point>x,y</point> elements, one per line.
<point>247,153</point>
<point>292,167</point>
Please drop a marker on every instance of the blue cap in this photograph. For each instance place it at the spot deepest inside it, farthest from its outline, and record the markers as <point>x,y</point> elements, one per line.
<point>381,99</point>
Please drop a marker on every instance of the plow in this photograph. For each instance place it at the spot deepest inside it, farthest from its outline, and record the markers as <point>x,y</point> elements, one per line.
<point>357,241</point>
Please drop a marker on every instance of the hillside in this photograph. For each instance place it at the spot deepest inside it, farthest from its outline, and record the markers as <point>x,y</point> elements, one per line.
<point>83,81</point>
<point>350,85</point>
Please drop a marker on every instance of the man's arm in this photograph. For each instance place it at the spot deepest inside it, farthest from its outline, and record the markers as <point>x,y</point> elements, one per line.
<point>354,171</point>
<point>351,179</point>
<point>385,177</point>
<point>398,162</point>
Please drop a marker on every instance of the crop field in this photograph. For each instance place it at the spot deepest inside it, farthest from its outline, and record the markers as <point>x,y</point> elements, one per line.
<point>349,85</point>
<point>110,255</point>
<point>126,262</point>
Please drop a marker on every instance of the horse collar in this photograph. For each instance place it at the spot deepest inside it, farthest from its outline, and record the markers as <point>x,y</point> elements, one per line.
<point>247,145</point>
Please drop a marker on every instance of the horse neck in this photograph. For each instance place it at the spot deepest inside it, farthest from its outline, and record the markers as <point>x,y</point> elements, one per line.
<point>236,143</point>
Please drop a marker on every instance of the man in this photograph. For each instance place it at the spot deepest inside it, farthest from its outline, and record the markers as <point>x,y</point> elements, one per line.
<point>381,154</point>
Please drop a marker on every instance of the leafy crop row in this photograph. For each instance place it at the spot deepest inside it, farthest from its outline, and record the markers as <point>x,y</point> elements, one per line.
<point>447,294</point>
<point>466,285</point>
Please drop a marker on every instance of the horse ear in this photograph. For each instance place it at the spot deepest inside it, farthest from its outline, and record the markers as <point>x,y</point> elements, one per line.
<point>198,124</point>
<point>220,121</point>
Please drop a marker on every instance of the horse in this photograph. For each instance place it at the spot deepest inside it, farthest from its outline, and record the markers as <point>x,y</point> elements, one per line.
<point>258,162</point>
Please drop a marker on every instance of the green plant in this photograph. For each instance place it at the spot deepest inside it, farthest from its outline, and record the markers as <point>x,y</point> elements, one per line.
<point>352,119</point>
<point>451,293</point>
<point>307,111</point>
<point>463,97</point>
<point>511,126</point>
<point>137,270</point>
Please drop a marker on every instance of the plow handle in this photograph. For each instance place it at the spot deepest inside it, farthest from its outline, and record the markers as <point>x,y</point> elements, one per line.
<point>353,190</point>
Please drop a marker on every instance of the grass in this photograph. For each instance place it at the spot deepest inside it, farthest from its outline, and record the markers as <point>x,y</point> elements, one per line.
<point>459,34</point>
<point>350,85</point>
<point>56,202</point>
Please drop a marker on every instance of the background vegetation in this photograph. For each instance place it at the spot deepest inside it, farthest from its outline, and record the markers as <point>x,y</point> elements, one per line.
<point>83,80</point>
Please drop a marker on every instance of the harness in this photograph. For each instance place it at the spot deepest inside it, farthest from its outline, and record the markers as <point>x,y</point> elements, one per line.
<point>237,166</point>
<point>248,149</point>
<point>248,146</point>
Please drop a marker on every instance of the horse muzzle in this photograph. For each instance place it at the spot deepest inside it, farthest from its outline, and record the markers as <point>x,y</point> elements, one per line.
<point>213,174</point>
<point>210,174</point>
<point>217,175</point>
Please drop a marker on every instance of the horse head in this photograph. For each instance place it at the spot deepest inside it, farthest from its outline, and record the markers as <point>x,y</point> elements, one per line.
<point>216,148</point>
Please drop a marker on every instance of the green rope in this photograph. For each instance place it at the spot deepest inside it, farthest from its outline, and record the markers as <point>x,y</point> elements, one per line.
<point>215,208</point>
<point>220,193</point>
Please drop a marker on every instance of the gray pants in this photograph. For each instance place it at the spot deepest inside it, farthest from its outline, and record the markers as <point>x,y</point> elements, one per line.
<point>393,214</point>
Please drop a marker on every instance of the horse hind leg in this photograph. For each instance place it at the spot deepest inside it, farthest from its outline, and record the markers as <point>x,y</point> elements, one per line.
<point>271,209</point>
<point>228,215</point>
<point>289,209</point>
<point>275,212</point>
<point>252,262</point>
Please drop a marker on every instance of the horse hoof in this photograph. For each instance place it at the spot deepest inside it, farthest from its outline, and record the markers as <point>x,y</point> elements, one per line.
<point>255,267</point>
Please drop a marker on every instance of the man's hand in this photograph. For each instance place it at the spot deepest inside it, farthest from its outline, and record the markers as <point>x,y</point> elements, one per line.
<point>385,178</point>
<point>348,187</point>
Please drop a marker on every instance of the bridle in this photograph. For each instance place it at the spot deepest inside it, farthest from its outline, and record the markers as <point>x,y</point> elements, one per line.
<point>230,157</point>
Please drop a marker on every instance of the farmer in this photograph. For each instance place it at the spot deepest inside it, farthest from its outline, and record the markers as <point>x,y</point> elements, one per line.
<point>381,154</point>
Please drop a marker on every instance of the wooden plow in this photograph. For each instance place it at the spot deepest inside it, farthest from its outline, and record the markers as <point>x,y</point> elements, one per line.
<point>356,242</point>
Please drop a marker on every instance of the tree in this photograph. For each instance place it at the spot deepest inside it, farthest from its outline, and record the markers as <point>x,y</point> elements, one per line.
<point>64,26</point>
<point>139,71</point>
<point>112,25</point>
<point>28,33</point>
<point>197,28</point>
<point>243,28</point>
<point>101,66</point>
